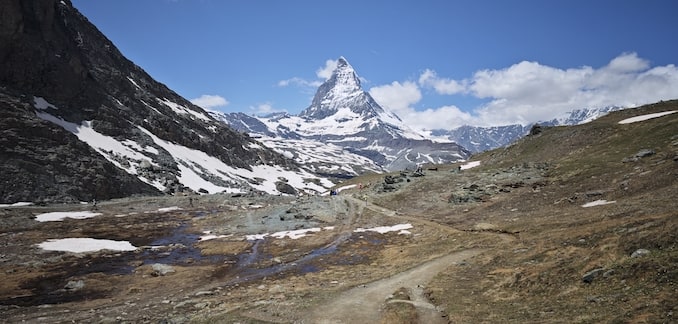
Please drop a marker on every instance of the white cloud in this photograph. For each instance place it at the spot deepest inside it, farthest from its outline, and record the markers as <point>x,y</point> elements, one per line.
<point>325,72</point>
<point>397,97</point>
<point>210,101</point>
<point>429,78</point>
<point>299,82</point>
<point>264,109</point>
<point>529,92</point>
<point>400,97</point>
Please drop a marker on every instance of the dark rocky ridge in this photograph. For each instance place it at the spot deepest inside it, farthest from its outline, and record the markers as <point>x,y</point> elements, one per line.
<point>49,50</point>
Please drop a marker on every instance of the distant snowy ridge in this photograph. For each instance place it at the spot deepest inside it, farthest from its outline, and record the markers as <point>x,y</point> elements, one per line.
<point>478,139</point>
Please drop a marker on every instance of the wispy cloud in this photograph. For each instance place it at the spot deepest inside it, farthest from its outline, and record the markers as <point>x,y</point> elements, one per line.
<point>529,92</point>
<point>299,82</point>
<point>210,101</point>
<point>429,78</point>
<point>264,109</point>
<point>323,73</point>
<point>400,98</point>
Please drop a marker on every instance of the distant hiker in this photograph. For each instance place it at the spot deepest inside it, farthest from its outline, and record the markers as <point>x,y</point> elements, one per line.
<point>190,201</point>
<point>94,204</point>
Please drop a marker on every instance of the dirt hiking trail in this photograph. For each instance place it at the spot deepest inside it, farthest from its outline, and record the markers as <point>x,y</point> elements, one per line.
<point>363,304</point>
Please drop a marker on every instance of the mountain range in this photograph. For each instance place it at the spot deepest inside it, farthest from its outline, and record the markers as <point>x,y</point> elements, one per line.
<point>478,139</point>
<point>79,121</point>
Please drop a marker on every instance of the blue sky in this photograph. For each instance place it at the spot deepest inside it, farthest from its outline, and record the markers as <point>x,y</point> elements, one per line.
<point>437,64</point>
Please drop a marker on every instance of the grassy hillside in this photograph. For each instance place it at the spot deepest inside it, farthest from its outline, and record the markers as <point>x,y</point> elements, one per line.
<point>530,196</point>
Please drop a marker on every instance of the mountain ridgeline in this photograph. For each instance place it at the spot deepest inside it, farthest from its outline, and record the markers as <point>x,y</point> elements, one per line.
<point>79,121</point>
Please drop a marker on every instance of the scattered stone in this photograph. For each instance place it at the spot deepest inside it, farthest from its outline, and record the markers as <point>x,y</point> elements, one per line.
<point>285,188</point>
<point>74,285</point>
<point>641,154</point>
<point>640,253</point>
<point>161,269</point>
<point>644,153</point>
<point>591,275</point>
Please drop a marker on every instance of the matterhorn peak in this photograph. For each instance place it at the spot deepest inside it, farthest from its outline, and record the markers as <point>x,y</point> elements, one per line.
<point>341,91</point>
<point>344,76</point>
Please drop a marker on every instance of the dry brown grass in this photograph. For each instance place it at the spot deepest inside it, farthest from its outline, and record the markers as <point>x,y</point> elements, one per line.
<point>538,276</point>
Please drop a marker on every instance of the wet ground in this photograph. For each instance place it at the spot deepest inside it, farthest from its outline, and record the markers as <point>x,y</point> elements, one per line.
<point>175,260</point>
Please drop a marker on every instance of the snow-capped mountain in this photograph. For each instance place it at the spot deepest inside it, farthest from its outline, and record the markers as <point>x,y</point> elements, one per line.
<point>581,116</point>
<point>478,139</point>
<point>350,123</point>
<point>79,121</point>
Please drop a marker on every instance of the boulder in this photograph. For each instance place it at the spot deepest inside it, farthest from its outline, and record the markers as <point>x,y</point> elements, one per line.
<point>591,275</point>
<point>640,253</point>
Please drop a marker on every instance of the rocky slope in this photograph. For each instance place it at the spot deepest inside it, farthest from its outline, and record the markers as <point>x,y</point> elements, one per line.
<point>87,123</point>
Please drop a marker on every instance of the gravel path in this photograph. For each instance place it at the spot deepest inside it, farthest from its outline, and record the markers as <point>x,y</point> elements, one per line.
<point>362,304</point>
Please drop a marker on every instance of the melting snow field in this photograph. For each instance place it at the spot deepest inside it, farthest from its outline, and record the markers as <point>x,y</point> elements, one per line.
<point>168,209</point>
<point>16,204</point>
<point>401,228</point>
<point>59,216</point>
<point>646,117</point>
<point>80,245</point>
<point>471,164</point>
<point>598,203</point>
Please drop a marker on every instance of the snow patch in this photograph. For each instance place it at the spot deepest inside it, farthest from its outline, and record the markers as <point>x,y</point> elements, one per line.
<point>469,165</point>
<point>598,203</point>
<point>296,233</point>
<point>402,228</point>
<point>16,204</point>
<point>59,216</point>
<point>80,245</point>
<point>168,209</point>
<point>42,104</point>
<point>646,117</point>
<point>182,110</point>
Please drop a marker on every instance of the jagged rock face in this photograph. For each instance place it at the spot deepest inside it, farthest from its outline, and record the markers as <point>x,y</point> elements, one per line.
<point>42,162</point>
<point>56,66</point>
<point>342,90</point>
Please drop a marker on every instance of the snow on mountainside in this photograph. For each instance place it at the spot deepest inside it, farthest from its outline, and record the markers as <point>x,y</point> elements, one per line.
<point>348,121</point>
<point>80,121</point>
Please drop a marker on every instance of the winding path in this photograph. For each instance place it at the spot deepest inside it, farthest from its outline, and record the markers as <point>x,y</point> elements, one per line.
<point>362,304</point>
